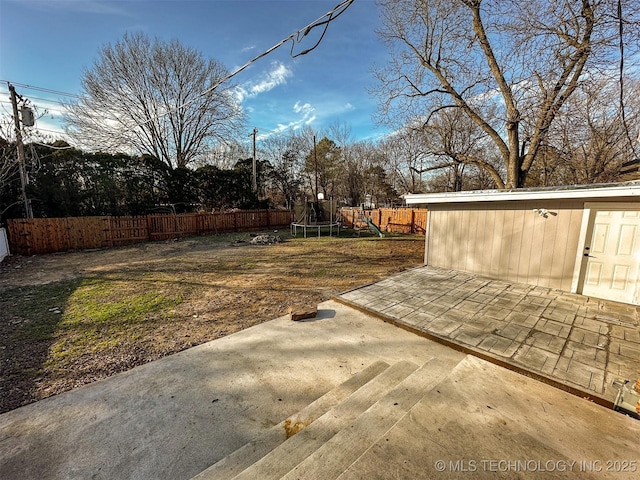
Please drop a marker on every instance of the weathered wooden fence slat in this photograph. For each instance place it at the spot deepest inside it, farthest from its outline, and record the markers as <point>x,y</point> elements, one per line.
<point>49,235</point>
<point>397,220</point>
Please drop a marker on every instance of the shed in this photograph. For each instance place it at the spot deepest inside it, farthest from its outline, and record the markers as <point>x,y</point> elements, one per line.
<point>580,239</point>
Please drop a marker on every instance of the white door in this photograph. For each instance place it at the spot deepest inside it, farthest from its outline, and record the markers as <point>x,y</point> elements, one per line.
<point>612,269</point>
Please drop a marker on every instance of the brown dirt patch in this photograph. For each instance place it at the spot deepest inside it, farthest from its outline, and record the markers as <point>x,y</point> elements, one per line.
<point>70,319</point>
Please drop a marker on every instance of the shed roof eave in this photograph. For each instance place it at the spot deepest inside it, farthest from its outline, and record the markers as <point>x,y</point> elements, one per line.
<point>627,189</point>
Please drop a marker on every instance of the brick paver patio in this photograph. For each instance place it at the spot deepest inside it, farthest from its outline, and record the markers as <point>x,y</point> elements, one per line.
<point>579,342</point>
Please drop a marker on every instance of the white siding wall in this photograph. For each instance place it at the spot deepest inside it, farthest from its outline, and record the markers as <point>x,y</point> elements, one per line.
<point>507,241</point>
<point>4,244</point>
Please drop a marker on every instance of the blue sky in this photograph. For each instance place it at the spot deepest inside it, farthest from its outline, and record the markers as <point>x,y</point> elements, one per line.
<point>49,43</point>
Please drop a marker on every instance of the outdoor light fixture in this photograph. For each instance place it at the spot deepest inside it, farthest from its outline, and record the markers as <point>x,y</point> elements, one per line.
<point>320,196</point>
<point>544,213</point>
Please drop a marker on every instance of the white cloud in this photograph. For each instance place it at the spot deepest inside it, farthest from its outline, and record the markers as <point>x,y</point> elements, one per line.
<point>49,108</point>
<point>49,126</point>
<point>276,76</point>
<point>306,117</point>
<point>240,93</point>
<point>306,108</point>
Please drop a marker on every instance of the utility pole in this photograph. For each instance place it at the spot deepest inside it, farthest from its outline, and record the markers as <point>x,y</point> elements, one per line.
<point>254,176</point>
<point>315,159</point>
<point>21,157</point>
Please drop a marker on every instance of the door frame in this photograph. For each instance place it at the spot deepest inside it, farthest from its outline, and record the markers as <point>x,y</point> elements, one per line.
<point>586,232</point>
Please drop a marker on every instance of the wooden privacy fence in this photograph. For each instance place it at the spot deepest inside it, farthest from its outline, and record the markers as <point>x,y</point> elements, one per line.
<point>48,235</point>
<point>398,220</point>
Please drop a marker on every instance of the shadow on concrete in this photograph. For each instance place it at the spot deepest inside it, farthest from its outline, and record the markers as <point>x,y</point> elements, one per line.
<point>323,314</point>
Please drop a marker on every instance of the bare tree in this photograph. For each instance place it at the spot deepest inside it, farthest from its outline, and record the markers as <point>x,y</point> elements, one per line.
<point>510,66</point>
<point>349,185</point>
<point>153,98</point>
<point>451,138</point>
<point>8,156</point>
<point>406,158</point>
<point>590,142</point>
<point>224,155</point>
<point>322,168</point>
<point>284,153</point>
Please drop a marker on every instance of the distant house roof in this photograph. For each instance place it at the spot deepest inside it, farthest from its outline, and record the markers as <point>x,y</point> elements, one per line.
<point>597,191</point>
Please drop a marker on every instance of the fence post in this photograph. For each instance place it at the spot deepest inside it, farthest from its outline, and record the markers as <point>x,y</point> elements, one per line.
<point>149,225</point>
<point>66,237</point>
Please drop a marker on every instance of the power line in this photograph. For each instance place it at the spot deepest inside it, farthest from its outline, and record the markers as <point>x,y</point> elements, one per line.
<point>41,89</point>
<point>49,131</point>
<point>295,38</point>
<point>45,109</point>
<point>48,100</point>
<point>34,132</point>
<point>57,102</point>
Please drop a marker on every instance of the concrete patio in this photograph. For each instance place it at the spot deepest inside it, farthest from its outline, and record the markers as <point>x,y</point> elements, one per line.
<point>347,396</point>
<point>577,343</point>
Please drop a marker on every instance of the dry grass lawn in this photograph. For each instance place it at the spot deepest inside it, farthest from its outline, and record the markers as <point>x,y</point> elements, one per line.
<point>70,319</point>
